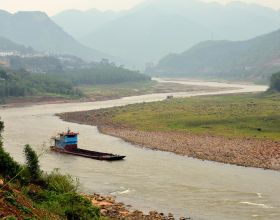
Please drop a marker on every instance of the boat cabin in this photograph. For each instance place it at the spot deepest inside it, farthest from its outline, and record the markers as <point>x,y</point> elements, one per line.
<point>67,141</point>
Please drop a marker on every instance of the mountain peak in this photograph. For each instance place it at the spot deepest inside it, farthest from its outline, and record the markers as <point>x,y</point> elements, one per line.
<point>32,15</point>
<point>37,30</point>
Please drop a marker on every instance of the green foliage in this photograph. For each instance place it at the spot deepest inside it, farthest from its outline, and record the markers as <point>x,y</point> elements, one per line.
<point>81,208</point>
<point>21,83</point>
<point>32,162</point>
<point>61,197</point>
<point>61,183</point>
<point>8,167</point>
<point>70,204</point>
<point>56,193</point>
<point>250,115</point>
<point>104,74</point>
<point>275,82</point>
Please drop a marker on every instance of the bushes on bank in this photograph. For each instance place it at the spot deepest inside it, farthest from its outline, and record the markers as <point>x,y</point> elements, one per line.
<point>54,192</point>
<point>61,183</point>
<point>8,167</point>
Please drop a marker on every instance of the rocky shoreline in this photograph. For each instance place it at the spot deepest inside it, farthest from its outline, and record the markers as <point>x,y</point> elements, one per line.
<point>247,152</point>
<point>114,210</point>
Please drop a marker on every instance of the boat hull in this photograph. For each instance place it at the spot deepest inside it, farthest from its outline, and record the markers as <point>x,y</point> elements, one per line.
<point>89,154</point>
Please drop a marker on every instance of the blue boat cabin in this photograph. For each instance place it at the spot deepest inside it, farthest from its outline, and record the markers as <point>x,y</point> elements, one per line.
<point>67,141</point>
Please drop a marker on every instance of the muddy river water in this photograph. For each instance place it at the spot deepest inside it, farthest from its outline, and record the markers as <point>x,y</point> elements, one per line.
<point>147,179</point>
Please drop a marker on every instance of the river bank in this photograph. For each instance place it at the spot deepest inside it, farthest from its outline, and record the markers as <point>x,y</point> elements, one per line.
<point>15,202</point>
<point>110,92</point>
<point>250,147</point>
<point>114,210</point>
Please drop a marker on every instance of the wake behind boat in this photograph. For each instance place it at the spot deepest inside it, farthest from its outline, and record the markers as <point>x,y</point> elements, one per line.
<point>67,143</point>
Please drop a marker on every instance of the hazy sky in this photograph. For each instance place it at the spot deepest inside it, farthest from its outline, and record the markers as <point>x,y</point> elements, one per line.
<point>54,6</point>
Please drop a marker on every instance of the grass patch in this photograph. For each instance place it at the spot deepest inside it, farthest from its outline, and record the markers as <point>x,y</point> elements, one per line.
<point>246,115</point>
<point>117,90</point>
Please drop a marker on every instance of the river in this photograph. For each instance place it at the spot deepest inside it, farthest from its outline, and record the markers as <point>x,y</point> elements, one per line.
<point>147,179</point>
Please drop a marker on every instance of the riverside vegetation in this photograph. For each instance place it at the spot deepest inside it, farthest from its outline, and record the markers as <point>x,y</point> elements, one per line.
<point>238,129</point>
<point>28,193</point>
<point>21,83</point>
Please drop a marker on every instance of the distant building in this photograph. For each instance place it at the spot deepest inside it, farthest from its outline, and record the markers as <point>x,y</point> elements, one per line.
<point>9,53</point>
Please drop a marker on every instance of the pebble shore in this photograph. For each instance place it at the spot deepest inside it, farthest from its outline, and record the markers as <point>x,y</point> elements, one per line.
<point>247,152</point>
<point>114,210</point>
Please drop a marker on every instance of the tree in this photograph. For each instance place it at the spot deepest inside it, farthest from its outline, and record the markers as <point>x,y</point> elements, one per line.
<point>275,82</point>
<point>8,167</point>
<point>4,75</point>
<point>32,162</point>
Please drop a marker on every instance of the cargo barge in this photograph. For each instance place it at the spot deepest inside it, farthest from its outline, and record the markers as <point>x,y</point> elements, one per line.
<point>67,143</point>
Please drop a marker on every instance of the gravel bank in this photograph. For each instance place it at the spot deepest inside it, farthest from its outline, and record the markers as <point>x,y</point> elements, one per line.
<point>248,152</point>
<point>112,209</point>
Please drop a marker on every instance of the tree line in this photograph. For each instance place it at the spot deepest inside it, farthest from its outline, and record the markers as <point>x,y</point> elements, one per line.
<point>19,83</point>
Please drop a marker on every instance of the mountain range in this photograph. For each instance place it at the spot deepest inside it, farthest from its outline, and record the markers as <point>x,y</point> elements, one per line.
<point>253,60</point>
<point>155,28</point>
<point>37,30</point>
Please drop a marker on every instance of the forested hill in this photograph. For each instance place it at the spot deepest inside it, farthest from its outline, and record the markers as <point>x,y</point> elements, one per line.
<point>253,60</point>
<point>37,30</point>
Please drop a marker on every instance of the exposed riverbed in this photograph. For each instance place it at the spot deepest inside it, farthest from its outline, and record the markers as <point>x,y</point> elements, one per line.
<point>148,179</point>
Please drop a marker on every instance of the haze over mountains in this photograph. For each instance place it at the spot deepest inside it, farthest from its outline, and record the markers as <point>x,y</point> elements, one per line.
<point>253,60</point>
<point>154,29</point>
<point>158,27</point>
<point>37,30</point>
<point>82,23</point>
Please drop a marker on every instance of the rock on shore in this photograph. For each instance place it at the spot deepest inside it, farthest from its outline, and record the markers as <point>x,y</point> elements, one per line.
<point>118,211</point>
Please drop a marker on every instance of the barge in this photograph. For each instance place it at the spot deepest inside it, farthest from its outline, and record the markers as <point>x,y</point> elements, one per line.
<point>67,143</point>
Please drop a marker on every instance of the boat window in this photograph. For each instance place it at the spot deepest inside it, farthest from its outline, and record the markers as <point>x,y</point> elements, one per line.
<point>71,136</point>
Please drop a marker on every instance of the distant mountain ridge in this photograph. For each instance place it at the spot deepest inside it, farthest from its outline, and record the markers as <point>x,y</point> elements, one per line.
<point>82,23</point>
<point>253,60</point>
<point>37,30</point>
<point>155,28</point>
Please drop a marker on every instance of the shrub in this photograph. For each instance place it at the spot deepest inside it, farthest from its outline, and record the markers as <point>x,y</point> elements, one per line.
<point>60,183</point>
<point>8,167</point>
<point>81,208</point>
